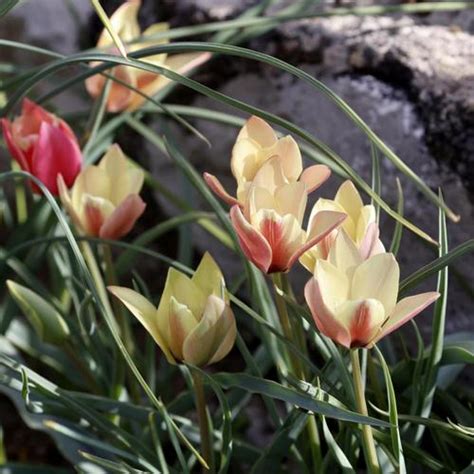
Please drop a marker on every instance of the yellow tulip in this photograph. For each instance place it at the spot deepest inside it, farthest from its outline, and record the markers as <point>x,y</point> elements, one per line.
<point>193,322</point>
<point>354,301</point>
<point>104,200</point>
<point>269,228</point>
<point>125,24</point>
<point>360,226</point>
<point>256,144</point>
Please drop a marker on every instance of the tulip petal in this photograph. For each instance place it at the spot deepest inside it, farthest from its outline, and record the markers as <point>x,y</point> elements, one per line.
<point>284,236</point>
<point>198,346</point>
<point>124,21</point>
<point>226,333</point>
<point>182,322</point>
<point>245,161</point>
<point>55,153</point>
<point>271,175</point>
<point>371,244</point>
<point>123,218</point>
<point>287,149</point>
<point>208,277</point>
<point>252,242</point>
<point>291,199</point>
<point>406,309</point>
<point>363,319</point>
<point>66,201</point>
<point>377,278</point>
<point>323,317</point>
<point>17,153</point>
<point>314,176</point>
<point>185,291</point>
<point>333,283</point>
<point>218,189</point>
<point>344,254</point>
<point>145,312</point>
<point>96,210</point>
<point>181,63</point>
<point>259,131</point>
<point>323,224</point>
<point>126,178</point>
<point>349,198</point>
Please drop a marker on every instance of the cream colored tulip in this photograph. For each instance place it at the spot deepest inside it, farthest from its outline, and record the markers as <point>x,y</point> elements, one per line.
<point>104,200</point>
<point>360,225</point>
<point>256,144</point>
<point>354,301</point>
<point>269,228</point>
<point>125,24</point>
<point>193,322</point>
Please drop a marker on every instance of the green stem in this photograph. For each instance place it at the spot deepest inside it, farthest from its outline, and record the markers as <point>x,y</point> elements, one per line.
<point>83,369</point>
<point>297,337</point>
<point>206,440</point>
<point>20,197</point>
<point>112,279</point>
<point>367,435</point>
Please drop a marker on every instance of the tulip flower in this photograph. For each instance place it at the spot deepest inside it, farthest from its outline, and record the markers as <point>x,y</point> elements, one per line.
<point>193,322</point>
<point>360,225</point>
<point>125,24</point>
<point>256,144</point>
<point>104,200</point>
<point>269,228</point>
<point>43,145</point>
<point>354,301</point>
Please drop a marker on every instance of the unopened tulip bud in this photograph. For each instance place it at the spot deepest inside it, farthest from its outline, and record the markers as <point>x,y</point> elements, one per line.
<point>193,322</point>
<point>43,145</point>
<point>104,200</point>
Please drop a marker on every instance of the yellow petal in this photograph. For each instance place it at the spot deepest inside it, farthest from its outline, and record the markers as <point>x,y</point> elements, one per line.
<point>270,175</point>
<point>155,29</point>
<point>333,284</point>
<point>95,182</point>
<point>259,131</point>
<point>244,162</point>
<point>291,199</point>
<point>290,155</point>
<point>185,291</point>
<point>124,22</point>
<point>126,178</point>
<point>349,198</point>
<point>198,346</point>
<point>367,216</point>
<point>377,278</point>
<point>224,339</point>
<point>208,277</point>
<point>181,323</point>
<point>344,254</point>
<point>145,312</point>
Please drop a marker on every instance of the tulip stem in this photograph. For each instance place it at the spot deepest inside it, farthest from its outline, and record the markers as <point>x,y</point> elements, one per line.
<point>297,338</point>
<point>203,419</point>
<point>367,435</point>
<point>20,197</point>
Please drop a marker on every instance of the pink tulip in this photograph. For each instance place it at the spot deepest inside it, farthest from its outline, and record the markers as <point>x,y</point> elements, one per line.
<point>354,301</point>
<point>269,228</point>
<point>43,145</point>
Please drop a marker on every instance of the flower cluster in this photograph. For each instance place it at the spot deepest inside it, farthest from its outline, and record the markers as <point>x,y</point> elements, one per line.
<point>354,289</point>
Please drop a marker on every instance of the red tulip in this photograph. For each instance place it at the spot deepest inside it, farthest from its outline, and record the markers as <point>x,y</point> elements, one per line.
<point>43,145</point>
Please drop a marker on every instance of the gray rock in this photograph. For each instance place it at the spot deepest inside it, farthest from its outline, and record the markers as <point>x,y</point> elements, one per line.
<point>389,112</point>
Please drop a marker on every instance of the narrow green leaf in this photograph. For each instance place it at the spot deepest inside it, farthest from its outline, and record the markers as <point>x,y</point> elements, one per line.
<point>393,416</point>
<point>293,397</point>
<point>6,6</point>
